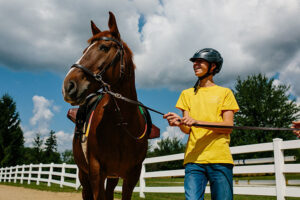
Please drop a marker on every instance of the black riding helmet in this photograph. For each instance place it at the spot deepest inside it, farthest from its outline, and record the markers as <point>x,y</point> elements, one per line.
<point>211,56</point>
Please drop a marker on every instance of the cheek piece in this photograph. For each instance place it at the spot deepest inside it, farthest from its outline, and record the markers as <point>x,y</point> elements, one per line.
<point>208,73</point>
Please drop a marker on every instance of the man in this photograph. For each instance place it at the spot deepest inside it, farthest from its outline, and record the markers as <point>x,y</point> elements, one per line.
<point>207,155</point>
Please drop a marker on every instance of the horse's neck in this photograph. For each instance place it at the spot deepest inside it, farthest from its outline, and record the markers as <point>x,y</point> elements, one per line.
<point>127,88</point>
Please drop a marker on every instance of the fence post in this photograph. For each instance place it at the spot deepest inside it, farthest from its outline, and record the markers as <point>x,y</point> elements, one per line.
<point>29,174</point>
<point>5,175</point>
<point>16,173</point>
<point>50,175</point>
<point>9,174</point>
<point>77,179</point>
<point>279,167</point>
<point>142,181</point>
<point>0,175</point>
<point>39,174</point>
<point>62,178</point>
<point>22,173</point>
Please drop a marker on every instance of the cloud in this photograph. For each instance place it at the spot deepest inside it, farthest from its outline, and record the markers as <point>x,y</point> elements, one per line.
<point>253,37</point>
<point>171,132</point>
<point>51,35</point>
<point>291,73</point>
<point>64,140</point>
<point>43,113</point>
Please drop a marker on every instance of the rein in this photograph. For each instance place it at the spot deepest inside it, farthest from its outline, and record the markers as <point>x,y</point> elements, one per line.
<point>106,89</point>
<point>119,96</point>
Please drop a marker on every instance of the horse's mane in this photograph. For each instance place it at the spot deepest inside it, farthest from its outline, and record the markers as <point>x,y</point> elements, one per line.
<point>128,55</point>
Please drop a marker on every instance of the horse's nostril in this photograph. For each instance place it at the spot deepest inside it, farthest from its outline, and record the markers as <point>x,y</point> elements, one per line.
<point>71,89</point>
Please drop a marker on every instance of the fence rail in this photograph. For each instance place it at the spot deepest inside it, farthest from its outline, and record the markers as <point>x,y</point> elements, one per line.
<point>58,173</point>
<point>41,173</point>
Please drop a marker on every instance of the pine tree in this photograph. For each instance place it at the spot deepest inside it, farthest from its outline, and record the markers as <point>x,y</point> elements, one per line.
<point>51,154</point>
<point>37,147</point>
<point>51,143</point>
<point>11,135</point>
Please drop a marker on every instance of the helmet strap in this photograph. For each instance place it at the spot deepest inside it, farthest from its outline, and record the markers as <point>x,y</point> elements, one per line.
<point>208,73</point>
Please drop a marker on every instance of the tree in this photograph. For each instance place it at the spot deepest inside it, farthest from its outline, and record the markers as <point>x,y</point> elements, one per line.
<point>264,104</point>
<point>11,135</point>
<point>166,146</point>
<point>37,148</point>
<point>51,143</point>
<point>29,156</point>
<point>67,157</point>
<point>51,154</point>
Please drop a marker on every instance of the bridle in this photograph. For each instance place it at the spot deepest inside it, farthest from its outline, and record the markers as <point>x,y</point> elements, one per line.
<point>105,87</point>
<point>98,76</point>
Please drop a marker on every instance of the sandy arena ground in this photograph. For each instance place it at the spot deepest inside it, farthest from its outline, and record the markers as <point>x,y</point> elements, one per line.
<point>20,193</point>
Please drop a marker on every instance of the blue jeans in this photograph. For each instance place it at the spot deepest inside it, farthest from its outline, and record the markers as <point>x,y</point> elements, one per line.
<point>218,175</point>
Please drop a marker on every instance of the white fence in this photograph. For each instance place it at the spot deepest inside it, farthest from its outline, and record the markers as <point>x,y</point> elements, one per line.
<point>48,173</point>
<point>277,165</point>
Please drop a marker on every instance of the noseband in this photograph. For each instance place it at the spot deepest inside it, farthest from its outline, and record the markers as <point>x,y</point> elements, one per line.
<point>98,76</point>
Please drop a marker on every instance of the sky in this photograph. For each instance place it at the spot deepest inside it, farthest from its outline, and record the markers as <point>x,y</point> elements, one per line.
<point>40,40</point>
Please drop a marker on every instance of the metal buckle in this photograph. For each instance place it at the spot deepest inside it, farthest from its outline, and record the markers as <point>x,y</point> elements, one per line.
<point>98,77</point>
<point>117,95</point>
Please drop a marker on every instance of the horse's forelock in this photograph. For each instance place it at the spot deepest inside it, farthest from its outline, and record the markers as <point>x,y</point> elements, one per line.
<point>99,35</point>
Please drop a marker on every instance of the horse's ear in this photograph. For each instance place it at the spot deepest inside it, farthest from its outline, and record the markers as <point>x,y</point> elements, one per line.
<point>112,24</point>
<point>95,29</point>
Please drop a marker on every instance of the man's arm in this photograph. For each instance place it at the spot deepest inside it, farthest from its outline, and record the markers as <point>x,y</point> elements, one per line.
<point>175,120</point>
<point>184,128</point>
<point>227,121</point>
<point>296,125</point>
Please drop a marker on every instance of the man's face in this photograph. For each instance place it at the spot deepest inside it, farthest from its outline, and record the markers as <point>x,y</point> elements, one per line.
<point>200,67</point>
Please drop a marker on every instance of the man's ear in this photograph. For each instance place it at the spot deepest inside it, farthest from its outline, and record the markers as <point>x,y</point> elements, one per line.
<point>213,67</point>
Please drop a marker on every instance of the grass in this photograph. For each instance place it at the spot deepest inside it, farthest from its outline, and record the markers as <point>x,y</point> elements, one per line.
<point>163,196</point>
<point>157,182</point>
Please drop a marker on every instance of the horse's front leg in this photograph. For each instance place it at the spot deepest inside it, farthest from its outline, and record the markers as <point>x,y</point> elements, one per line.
<point>130,182</point>
<point>87,193</point>
<point>97,179</point>
<point>111,184</point>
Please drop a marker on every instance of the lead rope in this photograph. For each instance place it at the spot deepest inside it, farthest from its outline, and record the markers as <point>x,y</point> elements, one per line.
<point>119,96</point>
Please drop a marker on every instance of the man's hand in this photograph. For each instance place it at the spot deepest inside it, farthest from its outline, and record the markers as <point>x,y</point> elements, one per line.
<point>173,119</point>
<point>296,125</point>
<point>188,121</point>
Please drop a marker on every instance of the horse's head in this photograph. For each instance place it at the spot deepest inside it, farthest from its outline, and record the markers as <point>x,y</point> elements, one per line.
<point>103,61</point>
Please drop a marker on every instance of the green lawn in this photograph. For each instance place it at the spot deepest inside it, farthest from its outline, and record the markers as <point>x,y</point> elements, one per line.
<point>163,196</point>
<point>156,182</point>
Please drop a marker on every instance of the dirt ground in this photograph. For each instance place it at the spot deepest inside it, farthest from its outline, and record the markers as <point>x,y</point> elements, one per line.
<point>20,193</point>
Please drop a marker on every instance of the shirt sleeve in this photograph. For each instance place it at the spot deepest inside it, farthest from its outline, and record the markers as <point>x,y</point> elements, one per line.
<point>230,102</point>
<point>183,102</point>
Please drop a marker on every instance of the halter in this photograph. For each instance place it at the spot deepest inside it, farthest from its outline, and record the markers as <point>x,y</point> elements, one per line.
<point>106,88</point>
<point>98,76</point>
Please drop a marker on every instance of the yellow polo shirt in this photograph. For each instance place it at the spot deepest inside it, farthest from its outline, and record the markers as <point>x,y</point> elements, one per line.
<point>205,146</point>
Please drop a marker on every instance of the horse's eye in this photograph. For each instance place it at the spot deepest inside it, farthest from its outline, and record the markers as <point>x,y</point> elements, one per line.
<point>104,48</point>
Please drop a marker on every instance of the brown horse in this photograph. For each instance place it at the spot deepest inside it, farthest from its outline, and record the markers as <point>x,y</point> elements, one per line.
<point>115,148</point>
